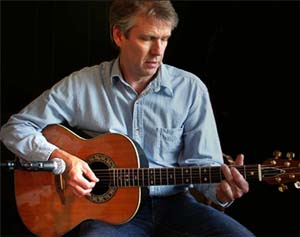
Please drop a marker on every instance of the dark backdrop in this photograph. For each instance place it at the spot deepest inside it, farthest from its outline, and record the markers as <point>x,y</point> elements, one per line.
<point>247,53</point>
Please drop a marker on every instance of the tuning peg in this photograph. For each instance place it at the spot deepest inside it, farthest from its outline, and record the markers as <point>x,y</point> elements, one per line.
<point>277,154</point>
<point>282,188</point>
<point>297,185</point>
<point>290,155</point>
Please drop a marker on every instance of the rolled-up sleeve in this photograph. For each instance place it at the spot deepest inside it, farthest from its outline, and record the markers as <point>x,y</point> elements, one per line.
<point>22,134</point>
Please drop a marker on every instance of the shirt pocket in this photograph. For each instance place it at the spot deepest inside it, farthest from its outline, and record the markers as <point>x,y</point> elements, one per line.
<point>170,144</point>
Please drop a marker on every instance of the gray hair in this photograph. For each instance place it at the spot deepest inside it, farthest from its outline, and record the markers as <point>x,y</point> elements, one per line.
<point>123,12</point>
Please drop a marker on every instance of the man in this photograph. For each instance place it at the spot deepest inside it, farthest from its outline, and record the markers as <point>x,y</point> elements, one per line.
<point>166,110</point>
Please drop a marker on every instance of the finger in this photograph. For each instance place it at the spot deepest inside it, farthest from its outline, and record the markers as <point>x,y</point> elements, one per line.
<point>235,181</point>
<point>239,180</point>
<point>89,174</point>
<point>227,172</point>
<point>239,159</point>
<point>226,191</point>
<point>79,191</point>
<point>80,181</point>
<point>78,188</point>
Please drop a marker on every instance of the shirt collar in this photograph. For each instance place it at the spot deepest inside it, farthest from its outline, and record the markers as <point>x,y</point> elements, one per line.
<point>161,81</point>
<point>116,71</point>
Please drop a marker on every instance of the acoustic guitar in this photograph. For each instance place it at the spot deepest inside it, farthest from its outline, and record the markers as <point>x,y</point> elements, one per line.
<point>48,208</point>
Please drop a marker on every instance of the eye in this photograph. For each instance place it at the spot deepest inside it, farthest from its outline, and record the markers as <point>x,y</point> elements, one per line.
<point>146,38</point>
<point>165,39</point>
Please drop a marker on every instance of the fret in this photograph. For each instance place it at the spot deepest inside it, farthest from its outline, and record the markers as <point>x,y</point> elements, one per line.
<point>114,177</point>
<point>166,178</point>
<point>252,174</point>
<point>171,176</point>
<point>200,178</point>
<point>134,177</point>
<point>160,177</point>
<point>220,174</point>
<point>186,175</point>
<point>257,173</point>
<point>204,178</point>
<point>151,176</point>
<point>245,173</point>
<point>124,177</point>
<point>131,177</point>
<point>120,178</point>
<point>195,179</point>
<point>138,177</point>
<point>128,177</point>
<point>143,177</point>
<point>156,176</point>
<point>177,178</point>
<point>147,178</point>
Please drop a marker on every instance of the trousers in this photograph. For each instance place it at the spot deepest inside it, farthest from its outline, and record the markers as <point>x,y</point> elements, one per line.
<point>176,216</point>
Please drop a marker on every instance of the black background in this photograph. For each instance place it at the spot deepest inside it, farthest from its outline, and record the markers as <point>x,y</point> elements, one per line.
<point>247,53</point>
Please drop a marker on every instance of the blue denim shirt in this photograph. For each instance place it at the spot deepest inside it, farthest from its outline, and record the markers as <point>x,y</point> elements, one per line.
<point>172,119</point>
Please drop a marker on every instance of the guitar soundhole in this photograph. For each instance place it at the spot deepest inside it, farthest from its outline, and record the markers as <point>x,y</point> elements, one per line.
<point>102,186</point>
<point>103,191</point>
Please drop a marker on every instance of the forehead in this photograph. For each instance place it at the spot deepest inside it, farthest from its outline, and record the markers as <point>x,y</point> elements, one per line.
<point>151,25</point>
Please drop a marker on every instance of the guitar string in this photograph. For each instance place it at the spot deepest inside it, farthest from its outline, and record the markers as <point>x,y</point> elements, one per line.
<point>193,169</point>
<point>131,175</point>
<point>153,181</point>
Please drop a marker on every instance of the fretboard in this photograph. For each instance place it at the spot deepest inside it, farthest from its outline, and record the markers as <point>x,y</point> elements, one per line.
<point>126,177</point>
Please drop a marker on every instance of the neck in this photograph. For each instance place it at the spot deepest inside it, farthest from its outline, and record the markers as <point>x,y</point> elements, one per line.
<point>138,83</point>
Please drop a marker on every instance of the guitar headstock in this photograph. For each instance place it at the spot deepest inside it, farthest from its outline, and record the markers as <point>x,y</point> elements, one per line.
<point>279,171</point>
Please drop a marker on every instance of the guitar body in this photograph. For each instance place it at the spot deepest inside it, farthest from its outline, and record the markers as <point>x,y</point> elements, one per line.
<point>49,208</point>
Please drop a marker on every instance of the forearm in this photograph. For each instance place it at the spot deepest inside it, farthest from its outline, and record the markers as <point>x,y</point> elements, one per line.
<point>25,140</point>
<point>22,134</point>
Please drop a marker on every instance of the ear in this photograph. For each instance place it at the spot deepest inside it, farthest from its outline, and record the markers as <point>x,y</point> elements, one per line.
<point>117,36</point>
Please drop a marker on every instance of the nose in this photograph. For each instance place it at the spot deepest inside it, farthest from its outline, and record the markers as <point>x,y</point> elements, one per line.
<point>158,47</point>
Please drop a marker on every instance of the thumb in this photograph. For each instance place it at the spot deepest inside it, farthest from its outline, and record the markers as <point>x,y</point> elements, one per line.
<point>90,175</point>
<point>239,159</point>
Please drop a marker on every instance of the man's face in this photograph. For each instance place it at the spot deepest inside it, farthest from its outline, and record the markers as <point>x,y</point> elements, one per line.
<point>142,51</point>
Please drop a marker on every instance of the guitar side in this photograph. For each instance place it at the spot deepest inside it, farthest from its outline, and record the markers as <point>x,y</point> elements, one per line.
<point>49,208</point>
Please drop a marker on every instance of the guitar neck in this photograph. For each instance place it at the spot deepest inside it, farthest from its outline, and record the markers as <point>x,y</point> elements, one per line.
<point>123,177</point>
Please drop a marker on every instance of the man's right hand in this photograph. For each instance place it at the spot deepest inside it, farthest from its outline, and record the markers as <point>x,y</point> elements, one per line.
<point>78,174</point>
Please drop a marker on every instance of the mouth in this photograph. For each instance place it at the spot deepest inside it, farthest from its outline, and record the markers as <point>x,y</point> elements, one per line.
<point>152,64</point>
